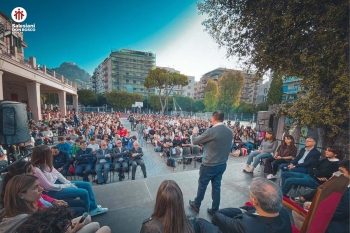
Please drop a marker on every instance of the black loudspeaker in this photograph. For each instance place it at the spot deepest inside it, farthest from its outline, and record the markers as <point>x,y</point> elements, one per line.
<point>264,121</point>
<point>13,123</point>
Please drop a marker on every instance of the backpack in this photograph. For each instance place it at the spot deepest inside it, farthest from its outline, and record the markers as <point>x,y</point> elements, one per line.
<point>170,162</point>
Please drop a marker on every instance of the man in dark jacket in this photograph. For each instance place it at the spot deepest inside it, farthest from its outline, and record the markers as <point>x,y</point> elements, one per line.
<point>266,215</point>
<point>85,161</point>
<point>120,159</point>
<point>104,162</point>
<point>135,159</point>
<point>61,160</point>
<point>306,158</point>
<point>317,174</point>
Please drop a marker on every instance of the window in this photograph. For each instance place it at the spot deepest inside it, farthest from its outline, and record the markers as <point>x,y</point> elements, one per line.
<point>141,89</point>
<point>189,87</point>
<point>265,90</point>
<point>190,81</point>
<point>133,81</point>
<point>127,73</point>
<point>127,80</point>
<point>134,89</point>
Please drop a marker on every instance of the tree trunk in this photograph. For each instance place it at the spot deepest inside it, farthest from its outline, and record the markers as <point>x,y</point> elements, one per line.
<point>161,102</point>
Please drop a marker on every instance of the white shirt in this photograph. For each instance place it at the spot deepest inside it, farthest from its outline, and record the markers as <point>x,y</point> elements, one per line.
<point>304,156</point>
<point>93,147</point>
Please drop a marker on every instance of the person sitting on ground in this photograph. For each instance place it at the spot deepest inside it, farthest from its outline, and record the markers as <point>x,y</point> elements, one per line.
<point>104,162</point>
<point>48,135</point>
<point>306,158</point>
<point>340,220</point>
<point>266,150</point>
<point>121,159</point>
<point>169,214</point>
<point>284,154</point>
<point>248,141</point>
<point>59,187</point>
<point>266,214</point>
<point>135,158</point>
<point>20,200</point>
<point>59,220</point>
<point>38,136</point>
<point>61,160</point>
<point>316,174</point>
<point>64,146</point>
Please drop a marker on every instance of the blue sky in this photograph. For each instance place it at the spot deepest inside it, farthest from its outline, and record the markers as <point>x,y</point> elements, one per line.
<point>85,31</point>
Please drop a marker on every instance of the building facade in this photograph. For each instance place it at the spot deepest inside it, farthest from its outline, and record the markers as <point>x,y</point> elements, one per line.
<point>179,90</point>
<point>101,81</point>
<point>250,88</point>
<point>291,88</point>
<point>263,90</point>
<point>23,80</point>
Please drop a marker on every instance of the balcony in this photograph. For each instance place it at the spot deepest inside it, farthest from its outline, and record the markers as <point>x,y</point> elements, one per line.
<point>292,90</point>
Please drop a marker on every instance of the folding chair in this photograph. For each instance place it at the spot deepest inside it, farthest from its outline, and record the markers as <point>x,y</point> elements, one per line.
<point>186,154</point>
<point>196,152</point>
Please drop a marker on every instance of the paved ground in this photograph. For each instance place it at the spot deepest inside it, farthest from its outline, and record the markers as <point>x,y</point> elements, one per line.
<point>156,166</point>
<point>130,202</point>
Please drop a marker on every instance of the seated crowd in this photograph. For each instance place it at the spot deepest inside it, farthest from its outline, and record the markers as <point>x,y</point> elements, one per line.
<point>100,143</point>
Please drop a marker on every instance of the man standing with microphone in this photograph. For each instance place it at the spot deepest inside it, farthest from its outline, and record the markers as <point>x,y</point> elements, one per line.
<point>216,142</point>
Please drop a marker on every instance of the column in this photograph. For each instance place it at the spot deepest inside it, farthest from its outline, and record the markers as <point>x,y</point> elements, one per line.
<point>1,86</point>
<point>33,90</point>
<point>62,102</point>
<point>75,102</point>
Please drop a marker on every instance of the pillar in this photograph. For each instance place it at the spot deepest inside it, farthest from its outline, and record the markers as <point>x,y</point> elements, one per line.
<point>62,102</point>
<point>75,102</point>
<point>44,69</point>
<point>32,62</point>
<point>33,90</point>
<point>1,86</point>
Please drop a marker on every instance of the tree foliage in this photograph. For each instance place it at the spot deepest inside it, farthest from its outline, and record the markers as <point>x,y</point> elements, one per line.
<point>231,86</point>
<point>164,81</point>
<point>305,39</point>
<point>154,102</point>
<point>184,102</point>
<point>86,97</point>
<point>211,94</point>
<point>274,96</point>
<point>122,99</point>
<point>199,105</point>
<point>245,107</point>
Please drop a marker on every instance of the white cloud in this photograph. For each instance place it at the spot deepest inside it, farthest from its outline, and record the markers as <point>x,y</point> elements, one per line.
<point>193,51</point>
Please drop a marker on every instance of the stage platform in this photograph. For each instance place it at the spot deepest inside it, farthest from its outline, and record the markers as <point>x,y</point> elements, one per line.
<point>131,201</point>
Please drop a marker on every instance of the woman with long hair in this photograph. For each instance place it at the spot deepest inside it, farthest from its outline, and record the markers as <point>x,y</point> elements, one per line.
<point>26,168</point>
<point>266,150</point>
<point>20,198</point>
<point>169,213</point>
<point>284,154</point>
<point>58,186</point>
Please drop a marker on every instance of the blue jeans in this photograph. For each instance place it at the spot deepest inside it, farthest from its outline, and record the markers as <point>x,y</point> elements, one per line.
<point>213,174</point>
<point>289,179</point>
<point>106,167</point>
<point>248,145</point>
<point>296,169</point>
<point>86,168</point>
<point>258,157</point>
<point>84,192</point>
